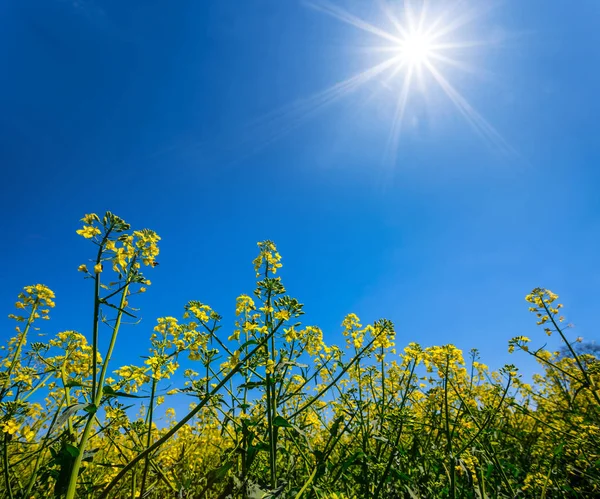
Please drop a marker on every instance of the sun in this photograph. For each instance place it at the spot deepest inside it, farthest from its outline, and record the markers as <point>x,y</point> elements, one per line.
<point>419,43</point>
<point>416,49</point>
<point>413,46</point>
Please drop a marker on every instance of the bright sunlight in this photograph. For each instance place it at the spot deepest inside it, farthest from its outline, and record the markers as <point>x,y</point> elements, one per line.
<point>421,45</point>
<point>416,49</point>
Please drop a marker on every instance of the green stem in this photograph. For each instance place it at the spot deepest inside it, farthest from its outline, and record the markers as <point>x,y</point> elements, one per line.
<point>6,467</point>
<point>43,446</point>
<point>149,437</point>
<point>271,405</point>
<point>96,316</point>
<point>13,363</point>
<point>588,381</point>
<point>185,419</point>
<point>67,397</point>
<point>398,431</point>
<point>37,387</point>
<point>307,484</point>
<point>96,401</point>
<point>452,470</point>
<point>95,327</point>
<point>312,400</point>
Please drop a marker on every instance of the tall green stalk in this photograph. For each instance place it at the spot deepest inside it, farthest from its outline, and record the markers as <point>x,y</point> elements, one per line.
<point>187,417</point>
<point>148,437</point>
<point>271,404</point>
<point>96,400</point>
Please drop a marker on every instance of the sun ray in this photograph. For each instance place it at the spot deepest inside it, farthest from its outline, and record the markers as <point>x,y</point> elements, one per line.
<point>419,44</point>
<point>439,28</point>
<point>478,122</point>
<point>330,94</point>
<point>389,13</point>
<point>394,136</point>
<point>459,45</point>
<point>463,66</point>
<point>344,16</point>
<point>278,123</point>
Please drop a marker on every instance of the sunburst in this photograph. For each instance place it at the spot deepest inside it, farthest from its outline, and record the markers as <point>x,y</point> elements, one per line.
<point>416,47</point>
<point>419,47</point>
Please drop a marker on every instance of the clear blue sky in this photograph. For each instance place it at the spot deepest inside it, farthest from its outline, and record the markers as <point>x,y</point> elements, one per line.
<point>173,115</point>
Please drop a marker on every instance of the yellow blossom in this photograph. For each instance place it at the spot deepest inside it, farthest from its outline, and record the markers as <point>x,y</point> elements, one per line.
<point>88,231</point>
<point>9,427</point>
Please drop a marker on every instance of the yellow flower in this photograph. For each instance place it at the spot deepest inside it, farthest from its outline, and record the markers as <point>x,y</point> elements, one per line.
<point>290,334</point>
<point>244,304</point>
<point>90,218</point>
<point>268,256</point>
<point>120,259</point>
<point>82,268</point>
<point>88,231</point>
<point>98,268</point>
<point>28,433</point>
<point>231,362</point>
<point>283,315</point>
<point>9,427</point>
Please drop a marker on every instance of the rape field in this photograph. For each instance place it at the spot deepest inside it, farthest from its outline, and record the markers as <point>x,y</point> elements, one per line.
<point>275,411</point>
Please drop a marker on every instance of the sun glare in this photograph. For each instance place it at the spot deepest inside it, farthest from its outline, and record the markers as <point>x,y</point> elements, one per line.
<point>420,40</point>
<point>416,49</point>
<point>413,46</point>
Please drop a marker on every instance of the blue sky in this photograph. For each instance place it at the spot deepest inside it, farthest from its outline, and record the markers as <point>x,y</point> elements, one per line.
<point>175,116</point>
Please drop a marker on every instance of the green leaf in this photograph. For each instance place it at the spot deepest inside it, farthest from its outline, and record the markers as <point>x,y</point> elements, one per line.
<point>218,474</point>
<point>248,343</point>
<point>73,382</point>
<point>68,412</point>
<point>91,409</point>
<point>281,422</point>
<point>88,455</point>
<point>352,459</point>
<point>255,449</point>
<point>335,426</point>
<point>412,493</point>
<point>109,391</point>
<point>71,450</point>
<point>253,384</point>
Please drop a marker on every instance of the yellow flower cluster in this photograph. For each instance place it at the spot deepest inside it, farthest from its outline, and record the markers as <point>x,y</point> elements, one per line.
<point>269,257</point>
<point>146,243</point>
<point>126,249</point>
<point>37,299</point>
<point>542,300</point>
<point>132,377</point>
<point>354,335</point>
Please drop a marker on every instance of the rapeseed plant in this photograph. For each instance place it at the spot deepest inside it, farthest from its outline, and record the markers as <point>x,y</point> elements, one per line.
<point>275,411</point>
